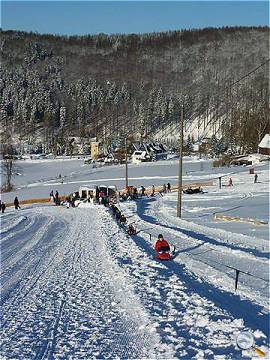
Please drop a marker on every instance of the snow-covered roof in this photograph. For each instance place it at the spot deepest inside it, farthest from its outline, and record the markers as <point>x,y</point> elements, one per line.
<point>87,187</point>
<point>265,143</point>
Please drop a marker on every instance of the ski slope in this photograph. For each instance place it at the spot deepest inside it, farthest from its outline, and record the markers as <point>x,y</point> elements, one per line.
<point>64,294</point>
<point>74,285</point>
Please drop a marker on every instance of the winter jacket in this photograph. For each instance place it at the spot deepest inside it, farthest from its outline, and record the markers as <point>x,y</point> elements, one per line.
<point>162,245</point>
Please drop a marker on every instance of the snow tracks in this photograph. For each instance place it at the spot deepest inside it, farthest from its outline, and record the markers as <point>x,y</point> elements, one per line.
<point>63,294</point>
<point>76,286</point>
<point>190,325</point>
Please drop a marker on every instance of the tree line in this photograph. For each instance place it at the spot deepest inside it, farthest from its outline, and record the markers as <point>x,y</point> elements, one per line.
<point>53,88</point>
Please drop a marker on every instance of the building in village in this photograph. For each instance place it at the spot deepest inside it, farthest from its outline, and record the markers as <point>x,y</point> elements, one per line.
<point>264,145</point>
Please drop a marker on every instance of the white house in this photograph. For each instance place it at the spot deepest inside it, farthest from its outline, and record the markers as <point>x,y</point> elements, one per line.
<point>139,156</point>
<point>264,145</point>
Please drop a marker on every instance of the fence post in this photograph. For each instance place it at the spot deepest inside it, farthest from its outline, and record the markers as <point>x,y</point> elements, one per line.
<point>219,181</point>
<point>150,236</point>
<point>237,272</point>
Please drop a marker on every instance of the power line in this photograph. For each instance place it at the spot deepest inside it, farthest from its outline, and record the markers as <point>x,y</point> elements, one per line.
<point>251,72</point>
<point>212,121</point>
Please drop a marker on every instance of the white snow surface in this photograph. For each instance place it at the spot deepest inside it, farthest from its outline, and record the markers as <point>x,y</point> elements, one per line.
<point>63,292</point>
<point>76,286</point>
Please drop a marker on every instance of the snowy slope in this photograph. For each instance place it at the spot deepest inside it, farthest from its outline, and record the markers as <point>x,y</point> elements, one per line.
<point>74,285</point>
<point>63,294</point>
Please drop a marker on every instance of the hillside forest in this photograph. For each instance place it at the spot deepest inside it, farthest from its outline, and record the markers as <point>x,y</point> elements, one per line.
<point>53,88</point>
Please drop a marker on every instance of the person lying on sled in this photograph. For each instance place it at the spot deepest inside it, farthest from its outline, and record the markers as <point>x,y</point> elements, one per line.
<point>162,245</point>
<point>131,229</point>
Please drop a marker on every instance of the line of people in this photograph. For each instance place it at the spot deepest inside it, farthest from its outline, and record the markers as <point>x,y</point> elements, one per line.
<point>162,246</point>
<point>118,215</point>
<point>166,188</point>
<point>122,219</point>
<point>55,197</point>
<point>132,193</point>
<point>15,202</point>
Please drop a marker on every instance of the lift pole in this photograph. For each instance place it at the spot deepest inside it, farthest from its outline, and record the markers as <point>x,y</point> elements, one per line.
<point>180,168</point>
<point>126,162</point>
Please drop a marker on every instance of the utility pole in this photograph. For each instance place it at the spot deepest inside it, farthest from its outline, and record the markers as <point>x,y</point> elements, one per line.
<point>126,161</point>
<point>180,168</point>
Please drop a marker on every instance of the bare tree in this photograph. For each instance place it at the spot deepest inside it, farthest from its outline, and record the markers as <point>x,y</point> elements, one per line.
<point>7,167</point>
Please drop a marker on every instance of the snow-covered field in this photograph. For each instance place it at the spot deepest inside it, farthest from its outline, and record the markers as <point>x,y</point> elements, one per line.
<point>36,178</point>
<point>76,286</point>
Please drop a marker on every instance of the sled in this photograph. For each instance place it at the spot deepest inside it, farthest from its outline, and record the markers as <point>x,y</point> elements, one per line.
<point>166,255</point>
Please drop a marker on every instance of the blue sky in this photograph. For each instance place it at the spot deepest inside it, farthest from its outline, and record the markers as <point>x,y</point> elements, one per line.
<point>91,17</point>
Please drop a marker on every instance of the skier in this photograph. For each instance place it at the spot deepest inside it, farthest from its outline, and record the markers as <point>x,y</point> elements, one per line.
<point>255,178</point>
<point>153,190</point>
<point>169,187</point>
<point>164,188</point>
<point>3,207</point>
<point>162,245</point>
<point>51,196</point>
<point>230,182</point>
<point>16,203</point>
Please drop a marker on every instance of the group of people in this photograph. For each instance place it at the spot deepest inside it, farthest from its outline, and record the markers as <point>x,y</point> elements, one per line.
<point>15,202</point>
<point>166,188</point>
<point>122,219</point>
<point>118,215</point>
<point>161,246</point>
<point>55,197</point>
<point>133,193</point>
<point>101,197</point>
<point>230,182</point>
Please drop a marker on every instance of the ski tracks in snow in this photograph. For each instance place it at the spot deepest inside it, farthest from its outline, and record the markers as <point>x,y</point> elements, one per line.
<point>71,299</point>
<point>77,287</point>
<point>190,325</point>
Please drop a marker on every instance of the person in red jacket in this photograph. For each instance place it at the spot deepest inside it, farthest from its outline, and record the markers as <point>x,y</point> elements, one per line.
<point>162,245</point>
